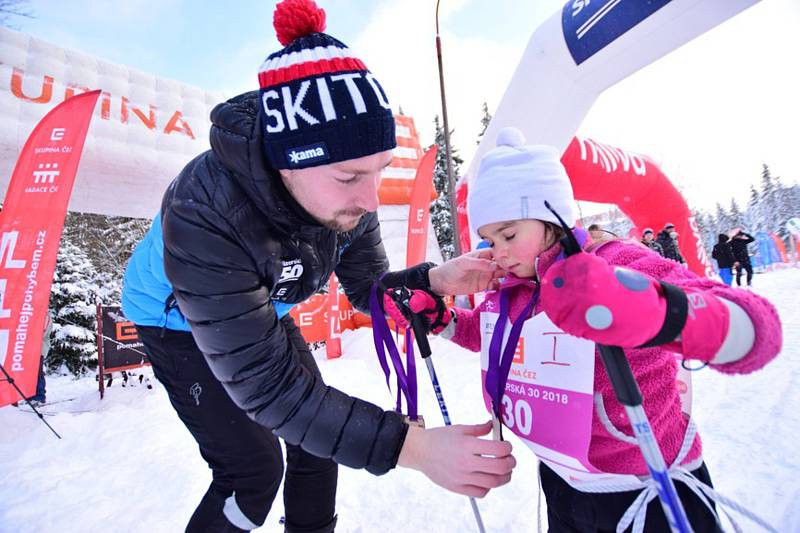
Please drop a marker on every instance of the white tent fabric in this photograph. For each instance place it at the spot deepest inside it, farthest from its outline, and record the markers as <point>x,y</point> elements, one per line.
<point>145,129</point>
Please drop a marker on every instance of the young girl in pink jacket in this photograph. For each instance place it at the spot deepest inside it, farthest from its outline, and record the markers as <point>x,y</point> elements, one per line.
<point>537,333</point>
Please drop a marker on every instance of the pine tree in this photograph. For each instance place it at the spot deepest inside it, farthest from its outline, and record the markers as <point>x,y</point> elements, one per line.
<point>108,242</point>
<point>753,214</point>
<point>72,299</point>
<point>705,224</point>
<point>767,201</point>
<point>785,208</point>
<point>441,217</point>
<point>736,215</point>
<point>723,222</point>
<point>485,120</point>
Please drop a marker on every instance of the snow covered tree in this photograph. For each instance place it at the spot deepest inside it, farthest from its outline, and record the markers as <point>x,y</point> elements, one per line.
<point>785,208</point>
<point>108,243</point>
<point>753,215</point>
<point>441,214</point>
<point>485,120</point>
<point>736,215</point>
<point>767,185</point>
<point>707,227</point>
<point>723,221</point>
<point>72,300</point>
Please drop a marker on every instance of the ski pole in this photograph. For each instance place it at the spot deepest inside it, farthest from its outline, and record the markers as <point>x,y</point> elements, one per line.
<point>630,396</point>
<point>41,417</point>
<point>420,334</point>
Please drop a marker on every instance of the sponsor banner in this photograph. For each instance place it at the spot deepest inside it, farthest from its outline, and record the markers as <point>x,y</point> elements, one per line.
<point>30,231</point>
<point>122,348</point>
<point>589,26</point>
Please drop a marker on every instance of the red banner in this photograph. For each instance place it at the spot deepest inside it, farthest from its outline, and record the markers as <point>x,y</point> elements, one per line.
<point>333,341</point>
<point>31,224</point>
<point>463,219</point>
<point>419,210</point>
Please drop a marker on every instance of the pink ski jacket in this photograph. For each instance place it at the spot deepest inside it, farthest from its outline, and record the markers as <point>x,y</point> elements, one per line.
<point>655,368</point>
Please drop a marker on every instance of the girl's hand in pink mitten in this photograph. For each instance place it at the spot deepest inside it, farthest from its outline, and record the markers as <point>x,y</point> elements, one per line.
<point>431,307</point>
<point>588,298</point>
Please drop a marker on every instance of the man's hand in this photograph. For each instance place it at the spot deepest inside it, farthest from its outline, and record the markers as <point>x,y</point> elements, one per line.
<point>455,458</point>
<point>467,274</point>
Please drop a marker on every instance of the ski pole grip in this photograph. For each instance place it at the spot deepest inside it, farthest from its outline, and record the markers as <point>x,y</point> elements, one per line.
<point>619,372</point>
<point>418,326</point>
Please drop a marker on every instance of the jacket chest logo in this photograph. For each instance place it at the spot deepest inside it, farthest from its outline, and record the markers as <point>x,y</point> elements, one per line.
<point>292,270</point>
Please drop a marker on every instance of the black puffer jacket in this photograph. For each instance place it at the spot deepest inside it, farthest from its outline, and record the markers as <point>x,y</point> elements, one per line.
<point>739,244</point>
<point>236,245</point>
<point>722,252</point>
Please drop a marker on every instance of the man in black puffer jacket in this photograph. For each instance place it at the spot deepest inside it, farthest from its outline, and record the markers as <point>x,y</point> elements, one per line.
<point>286,196</point>
<point>739,243</point>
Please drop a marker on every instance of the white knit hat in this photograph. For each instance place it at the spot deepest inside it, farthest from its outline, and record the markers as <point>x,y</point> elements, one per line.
<point>515,179</point>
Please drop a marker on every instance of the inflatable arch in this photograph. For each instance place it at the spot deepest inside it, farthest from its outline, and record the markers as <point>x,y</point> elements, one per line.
<point>573,57</point>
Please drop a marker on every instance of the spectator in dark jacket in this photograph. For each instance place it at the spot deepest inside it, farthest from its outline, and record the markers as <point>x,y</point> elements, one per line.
<point>285,197</point>
<point>668,239</point>
<point>739,243</point>
<point>649,241</point>
<point>725,260</point>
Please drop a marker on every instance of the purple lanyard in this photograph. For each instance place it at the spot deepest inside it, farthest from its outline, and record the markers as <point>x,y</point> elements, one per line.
<point>500,358</point>
<point>382,335</point>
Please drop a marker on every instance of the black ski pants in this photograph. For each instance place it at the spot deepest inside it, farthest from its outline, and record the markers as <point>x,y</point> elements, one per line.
<point>245,458</point>
<point>744,265</point>
<point>572,511</point>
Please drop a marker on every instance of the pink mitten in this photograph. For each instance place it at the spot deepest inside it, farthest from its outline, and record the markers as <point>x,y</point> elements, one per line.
<point>436,314</point>
<point>588,298</point>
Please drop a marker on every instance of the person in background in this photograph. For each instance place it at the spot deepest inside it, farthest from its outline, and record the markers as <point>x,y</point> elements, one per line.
<point>648,239</point>
<point>739,243</point>
<point>668,239</point>
<point>40,398</point>
<point>599,234</point>
<point>725,260</point>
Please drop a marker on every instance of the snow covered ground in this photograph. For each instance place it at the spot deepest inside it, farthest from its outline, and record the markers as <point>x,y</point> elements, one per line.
<point>127,464</point>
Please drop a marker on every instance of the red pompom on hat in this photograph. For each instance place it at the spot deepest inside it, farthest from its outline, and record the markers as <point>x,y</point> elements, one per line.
<point>297,18</point>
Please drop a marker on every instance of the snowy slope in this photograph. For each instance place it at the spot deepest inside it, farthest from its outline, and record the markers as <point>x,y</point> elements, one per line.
<point>129,465</point>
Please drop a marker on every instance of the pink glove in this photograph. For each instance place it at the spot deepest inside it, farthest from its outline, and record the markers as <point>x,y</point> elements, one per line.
<point>588,298</point>
<point>436,314</point>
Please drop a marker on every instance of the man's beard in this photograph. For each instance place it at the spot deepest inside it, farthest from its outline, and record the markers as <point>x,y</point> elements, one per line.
<point>354,215</point>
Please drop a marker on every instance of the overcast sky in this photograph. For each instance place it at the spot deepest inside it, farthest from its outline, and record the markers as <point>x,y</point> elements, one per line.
<point>710,113</point>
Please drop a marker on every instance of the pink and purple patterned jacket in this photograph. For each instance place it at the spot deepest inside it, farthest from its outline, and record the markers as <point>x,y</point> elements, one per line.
<point>655,369</point>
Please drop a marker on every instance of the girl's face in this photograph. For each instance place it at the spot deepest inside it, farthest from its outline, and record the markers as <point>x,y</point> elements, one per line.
<point>516,244</point>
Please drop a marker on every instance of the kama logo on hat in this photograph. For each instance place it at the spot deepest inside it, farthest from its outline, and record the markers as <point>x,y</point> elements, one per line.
<point>299,156</point>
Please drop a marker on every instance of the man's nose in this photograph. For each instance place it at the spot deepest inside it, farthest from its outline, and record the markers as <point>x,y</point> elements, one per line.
<point>368,197</point>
